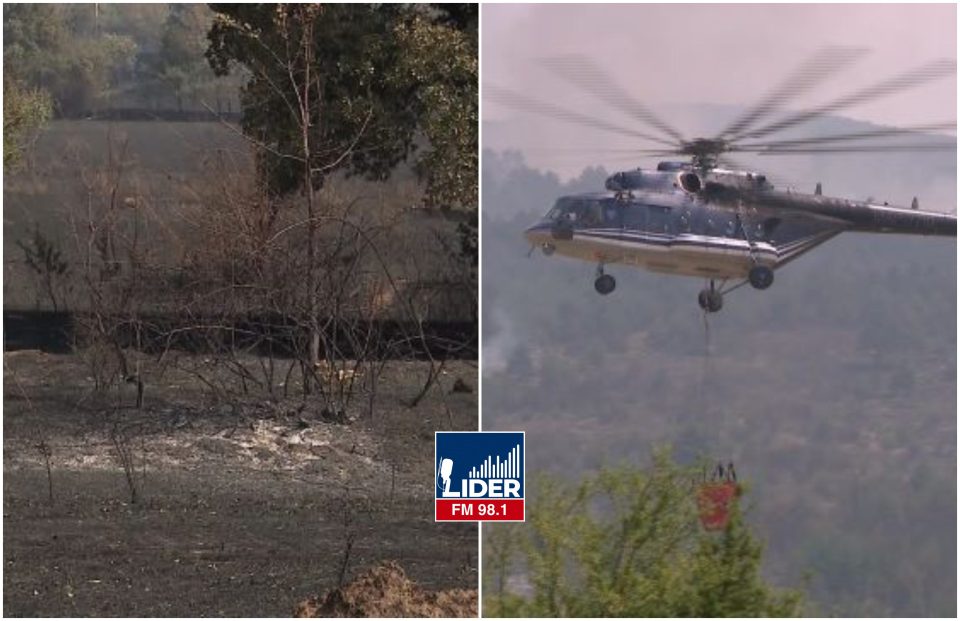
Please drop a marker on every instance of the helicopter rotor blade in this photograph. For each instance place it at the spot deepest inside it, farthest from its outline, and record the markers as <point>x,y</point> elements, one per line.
<point>729,162</point>
<point>522,102</point>
<point>894,148</point>
<point>649,152</point>
<point>818,68</point>
<point>603,150</point>
<point>877,133</point>
<point>585,74</point>
<point>905,81</point>
<point>663,152</point>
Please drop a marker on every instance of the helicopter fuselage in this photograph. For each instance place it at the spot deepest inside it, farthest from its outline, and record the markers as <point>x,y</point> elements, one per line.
<point>716,225</point>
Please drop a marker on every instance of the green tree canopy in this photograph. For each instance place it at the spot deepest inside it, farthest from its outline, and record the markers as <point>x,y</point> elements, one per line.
<point>180,63</point>
<point>57,48</point>
<point>385,80</point>
<point>626,542</point>
<point>25,110</point>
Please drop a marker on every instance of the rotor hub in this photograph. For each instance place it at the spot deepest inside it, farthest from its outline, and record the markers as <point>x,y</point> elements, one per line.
<point>705,151</point>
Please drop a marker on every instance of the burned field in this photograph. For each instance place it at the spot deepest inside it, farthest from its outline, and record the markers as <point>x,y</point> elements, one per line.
<point>236,488</point>
<point>197,505</point>
<point>227,351</point>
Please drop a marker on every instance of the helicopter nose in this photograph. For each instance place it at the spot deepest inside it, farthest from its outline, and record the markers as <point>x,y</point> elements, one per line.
<point>530,235</point>
<point>537,234</point>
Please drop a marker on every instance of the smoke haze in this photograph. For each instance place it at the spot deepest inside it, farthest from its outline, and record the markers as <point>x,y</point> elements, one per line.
<point>665,55</point>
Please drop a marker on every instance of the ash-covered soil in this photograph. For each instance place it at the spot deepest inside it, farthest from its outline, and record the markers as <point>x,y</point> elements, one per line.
<point>244,506</point>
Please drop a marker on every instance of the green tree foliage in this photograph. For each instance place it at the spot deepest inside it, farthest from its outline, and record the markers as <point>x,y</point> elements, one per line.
<point>143,23</point>
<point>351,105</point>
<point>356,89</point>
<point>442,62</point>
<point>92,57</point>
<point>384,75</point>
<point>60,49</point>
<point>25,110</point>
<point>180,64</point>
<point>627,542</point>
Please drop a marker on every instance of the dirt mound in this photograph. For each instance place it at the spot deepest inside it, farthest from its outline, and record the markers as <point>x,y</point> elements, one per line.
<point>385,591</point>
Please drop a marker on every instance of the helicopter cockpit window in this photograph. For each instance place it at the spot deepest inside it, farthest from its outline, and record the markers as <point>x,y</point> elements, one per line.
<point>586,212</point>
<point>565,209</point>
<point>593,214</point>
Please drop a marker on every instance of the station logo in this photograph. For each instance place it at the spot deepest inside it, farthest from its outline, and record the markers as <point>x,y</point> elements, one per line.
<point>479,476</point>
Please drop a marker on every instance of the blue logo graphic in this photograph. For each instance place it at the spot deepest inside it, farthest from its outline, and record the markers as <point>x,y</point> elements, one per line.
<point>479,475</point>
<point>479,464</point>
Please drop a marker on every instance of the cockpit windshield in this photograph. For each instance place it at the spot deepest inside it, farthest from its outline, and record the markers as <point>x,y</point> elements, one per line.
<point>584,211</point>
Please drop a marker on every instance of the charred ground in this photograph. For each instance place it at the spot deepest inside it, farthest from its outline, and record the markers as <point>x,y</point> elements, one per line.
<point>243,508</point>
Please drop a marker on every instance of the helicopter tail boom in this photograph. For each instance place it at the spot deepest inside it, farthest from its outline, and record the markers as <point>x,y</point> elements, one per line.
<point>884,219</point>
<point>866,217</point>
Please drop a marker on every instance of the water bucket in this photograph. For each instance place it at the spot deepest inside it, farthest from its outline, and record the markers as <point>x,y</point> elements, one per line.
<point>715,500</point>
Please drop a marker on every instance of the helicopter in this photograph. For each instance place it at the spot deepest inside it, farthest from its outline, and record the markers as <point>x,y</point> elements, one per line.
<point>709,217</point>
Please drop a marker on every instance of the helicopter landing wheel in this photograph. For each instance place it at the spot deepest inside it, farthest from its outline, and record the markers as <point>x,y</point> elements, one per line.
<point>710,300</point>
<point>605,284</point>
<point>760,277</point>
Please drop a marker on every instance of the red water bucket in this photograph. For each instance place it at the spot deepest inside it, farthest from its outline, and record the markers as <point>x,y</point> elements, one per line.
<point>714,501</point>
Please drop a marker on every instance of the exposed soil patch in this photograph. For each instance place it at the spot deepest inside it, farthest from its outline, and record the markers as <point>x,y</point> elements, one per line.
<point>385,591</point>
<point>243,509</point>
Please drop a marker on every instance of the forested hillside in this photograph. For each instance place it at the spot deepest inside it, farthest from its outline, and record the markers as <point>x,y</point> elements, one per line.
<point>96,57</point>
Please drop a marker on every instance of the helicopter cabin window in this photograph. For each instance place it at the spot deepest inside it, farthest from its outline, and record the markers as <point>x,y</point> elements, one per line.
<point>730,228</point>
<point>684,222</point>
<point>701,222</point>
<point>635,217</point>
<point>611,214</point>
<point>660,220</point>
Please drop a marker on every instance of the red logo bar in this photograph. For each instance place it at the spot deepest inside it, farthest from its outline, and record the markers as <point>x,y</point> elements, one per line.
<point>479,510</point>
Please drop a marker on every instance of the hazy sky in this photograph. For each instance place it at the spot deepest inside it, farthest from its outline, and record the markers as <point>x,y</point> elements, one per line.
<point>732,54</point>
